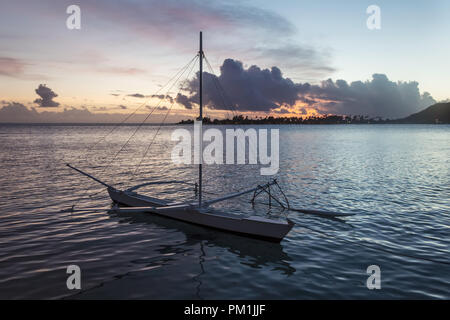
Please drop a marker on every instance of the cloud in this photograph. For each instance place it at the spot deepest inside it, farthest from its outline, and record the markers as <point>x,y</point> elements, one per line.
<point>161,96</point>
<point>161,21</point>
<point>185,100</point>
<point>256,89</point>
<point>283,111</point>
<point>172,26</point>
<point>136,95</point>
<point>103,108</point>
<point>121,70</point>
<point>17,68</point>
<point>17,112</point>
<point>163,108</point>
<point>157,96</point>
<point>47,96</point>
<point>379,97</point>
<point>168,17</point>
<point>14,112</point>
<point>11,67</point>
<point>308,62</point>
<point>252,89</point>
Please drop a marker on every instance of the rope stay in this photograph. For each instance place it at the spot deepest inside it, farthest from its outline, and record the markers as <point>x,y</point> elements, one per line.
<point>149,114</point>
<point>146,118</point>
<point>221,90</point>
<point>160,125</point>
<point>177,75</point>
<point>266,188</point>
<point>134,111</point>
<point>189,66</point>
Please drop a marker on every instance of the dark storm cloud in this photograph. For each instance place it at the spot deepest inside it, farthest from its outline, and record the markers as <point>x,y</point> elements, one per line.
<point>377,97</point>
<point>252,89</point>
<point>47,95</point>
<point>256,89</point>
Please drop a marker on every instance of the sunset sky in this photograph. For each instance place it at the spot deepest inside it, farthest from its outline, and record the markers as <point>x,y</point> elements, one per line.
<point>292,58</point>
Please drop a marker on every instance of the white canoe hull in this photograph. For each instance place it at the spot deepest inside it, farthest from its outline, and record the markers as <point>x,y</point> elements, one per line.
<point>257,227</point>
<point>132,199</point>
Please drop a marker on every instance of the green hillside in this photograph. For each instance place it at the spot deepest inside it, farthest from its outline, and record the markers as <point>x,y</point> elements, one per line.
<point>437,113</point>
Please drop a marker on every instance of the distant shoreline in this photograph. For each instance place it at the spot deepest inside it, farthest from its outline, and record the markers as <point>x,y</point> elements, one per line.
<point>438,113</point>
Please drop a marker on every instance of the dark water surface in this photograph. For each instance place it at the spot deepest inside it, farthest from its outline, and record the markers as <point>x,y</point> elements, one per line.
<point>396,178</point>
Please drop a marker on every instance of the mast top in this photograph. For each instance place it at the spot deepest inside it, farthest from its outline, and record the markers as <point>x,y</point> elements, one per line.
<point>200,118</point>
<point>200,52</point>
<point>201,44</point>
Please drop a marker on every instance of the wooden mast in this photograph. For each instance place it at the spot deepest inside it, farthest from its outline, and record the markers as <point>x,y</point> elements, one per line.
<point>200,119</point>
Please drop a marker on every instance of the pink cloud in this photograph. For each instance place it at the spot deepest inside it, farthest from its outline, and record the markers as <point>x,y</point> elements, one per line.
<point>11,67</point>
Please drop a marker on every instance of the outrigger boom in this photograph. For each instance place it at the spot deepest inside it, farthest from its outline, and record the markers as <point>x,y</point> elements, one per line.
<point>90,176</point>
<point>204,203</point>
<point>192,212</point>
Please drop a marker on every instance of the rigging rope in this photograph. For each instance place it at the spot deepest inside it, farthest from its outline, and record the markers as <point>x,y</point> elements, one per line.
<point>159,127</point>
<point>146,118</point>
<point>179,74</point>
<point>220,89</point>
<point>134,112</point>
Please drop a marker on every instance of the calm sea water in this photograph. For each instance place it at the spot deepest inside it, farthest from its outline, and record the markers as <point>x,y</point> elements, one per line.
<point>395,178</point>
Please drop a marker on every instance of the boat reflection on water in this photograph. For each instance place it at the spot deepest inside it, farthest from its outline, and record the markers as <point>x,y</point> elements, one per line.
<point>253,253</point>
<point>256,252</point>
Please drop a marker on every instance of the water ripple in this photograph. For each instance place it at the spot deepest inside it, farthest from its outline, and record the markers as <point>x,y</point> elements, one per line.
<point>396,178</point>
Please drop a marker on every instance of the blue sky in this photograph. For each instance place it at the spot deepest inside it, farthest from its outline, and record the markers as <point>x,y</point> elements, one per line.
<point>132,47</point>
<point>411,45</point>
